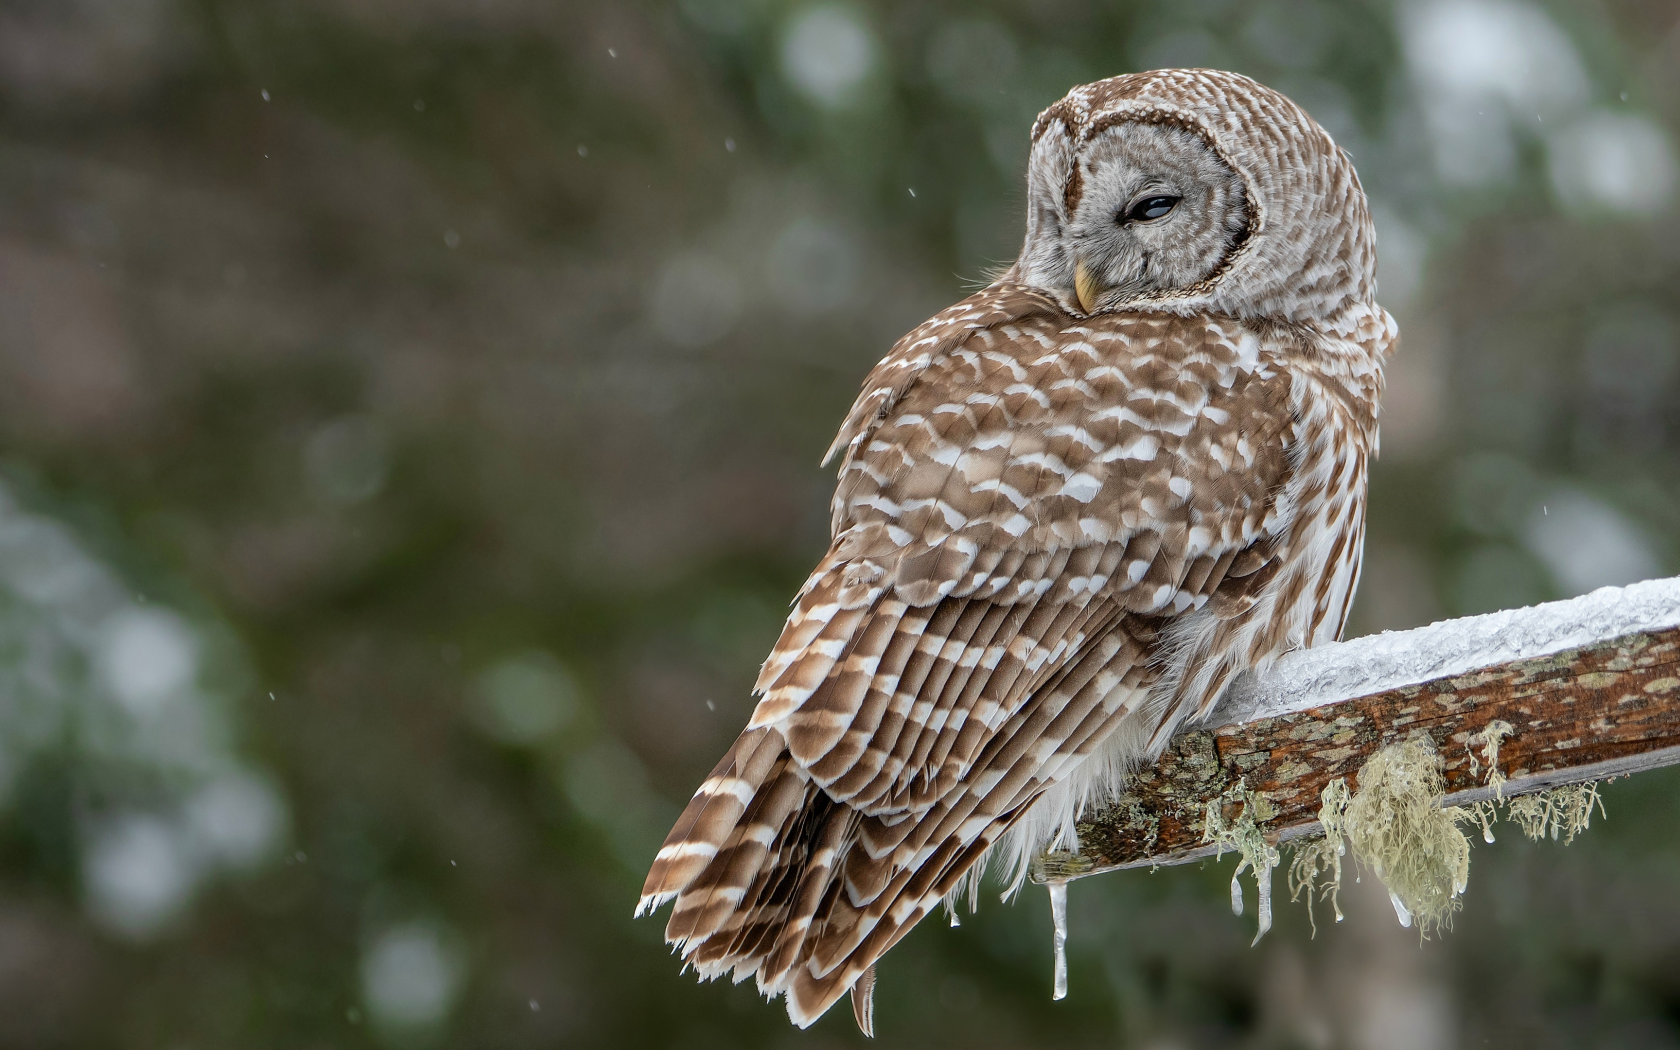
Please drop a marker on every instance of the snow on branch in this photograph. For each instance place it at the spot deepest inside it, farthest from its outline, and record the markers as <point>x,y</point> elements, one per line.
<point>1589,689</point>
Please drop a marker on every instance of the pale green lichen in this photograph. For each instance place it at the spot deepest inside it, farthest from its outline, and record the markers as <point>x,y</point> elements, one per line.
<point>1489,740</point>
<point>1397,826</point>
<point>1564,811</point>
<point>1484,814</point>
<point>1320,857</point>
<point>1243,836</point>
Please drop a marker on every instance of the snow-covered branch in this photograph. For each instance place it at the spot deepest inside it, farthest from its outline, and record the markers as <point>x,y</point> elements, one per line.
<point>1590,689</point>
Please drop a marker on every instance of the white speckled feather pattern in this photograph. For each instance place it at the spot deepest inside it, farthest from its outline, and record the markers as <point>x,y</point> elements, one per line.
<point>1056,536</point>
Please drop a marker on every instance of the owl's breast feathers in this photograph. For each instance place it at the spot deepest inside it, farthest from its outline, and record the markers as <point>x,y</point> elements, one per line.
<point>1047,528</point>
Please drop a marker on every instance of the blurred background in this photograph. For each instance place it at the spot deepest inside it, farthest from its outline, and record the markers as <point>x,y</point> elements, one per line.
<point>386,550</point>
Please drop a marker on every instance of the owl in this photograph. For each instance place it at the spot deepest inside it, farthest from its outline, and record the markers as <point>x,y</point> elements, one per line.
<point>1071,509</point>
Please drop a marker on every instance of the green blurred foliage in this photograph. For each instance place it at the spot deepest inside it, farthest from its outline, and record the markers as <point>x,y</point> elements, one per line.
<point>441,384</point>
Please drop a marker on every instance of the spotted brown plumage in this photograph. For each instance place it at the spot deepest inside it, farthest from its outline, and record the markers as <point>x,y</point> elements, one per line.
<point>1067,517</point>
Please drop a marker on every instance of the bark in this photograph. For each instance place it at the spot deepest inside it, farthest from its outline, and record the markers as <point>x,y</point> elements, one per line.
<point>1600,711</point>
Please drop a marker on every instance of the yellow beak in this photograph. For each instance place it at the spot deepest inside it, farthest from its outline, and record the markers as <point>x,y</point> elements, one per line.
<point>1085,287</point>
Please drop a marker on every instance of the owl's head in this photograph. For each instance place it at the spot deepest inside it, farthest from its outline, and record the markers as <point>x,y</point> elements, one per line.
<point>1194,190</point>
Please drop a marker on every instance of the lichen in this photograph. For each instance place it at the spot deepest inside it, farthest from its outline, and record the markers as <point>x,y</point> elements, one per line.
<point>1320,857</point>
<point>1483,814</point>
<point>1126,828</point>
<point>1395,824</point>
<point>1489,740</point>
<point>1242,835</point>
<point>1139,820</point>
<point>1563,811</point>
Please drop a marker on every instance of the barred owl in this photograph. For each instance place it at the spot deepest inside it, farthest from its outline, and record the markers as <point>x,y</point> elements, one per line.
<point>1071,509</point>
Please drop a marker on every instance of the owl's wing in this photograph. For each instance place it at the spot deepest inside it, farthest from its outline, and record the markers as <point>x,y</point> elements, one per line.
<point>929,341</point>
<point>1034,485</point>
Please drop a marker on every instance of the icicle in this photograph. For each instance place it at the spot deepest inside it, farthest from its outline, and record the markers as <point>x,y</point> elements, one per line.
<point>1058,916</point>
<point>1263,880</point>
<point>1236,892</point>
<point>1400,911</point>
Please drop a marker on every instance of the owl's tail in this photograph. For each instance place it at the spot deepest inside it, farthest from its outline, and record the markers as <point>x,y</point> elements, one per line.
<point>774,880</point>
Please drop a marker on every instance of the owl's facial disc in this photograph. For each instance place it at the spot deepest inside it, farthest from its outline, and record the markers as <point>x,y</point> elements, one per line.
<point>1158,211</point>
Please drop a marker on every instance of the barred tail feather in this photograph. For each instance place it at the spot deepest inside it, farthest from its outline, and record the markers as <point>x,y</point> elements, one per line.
<point>709,912</point>
<point>863,1002</point>
<point>786,885</point>
<point>709,818</point>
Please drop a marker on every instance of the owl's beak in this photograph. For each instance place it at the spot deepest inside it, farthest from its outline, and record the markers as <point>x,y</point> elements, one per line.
<point>1085,286</point>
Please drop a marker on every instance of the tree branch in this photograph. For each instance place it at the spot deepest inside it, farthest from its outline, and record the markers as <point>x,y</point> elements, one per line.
<point>1594,692</point>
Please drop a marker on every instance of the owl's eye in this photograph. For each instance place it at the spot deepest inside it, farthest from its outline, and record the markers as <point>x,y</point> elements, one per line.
<point>1151,208</point>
